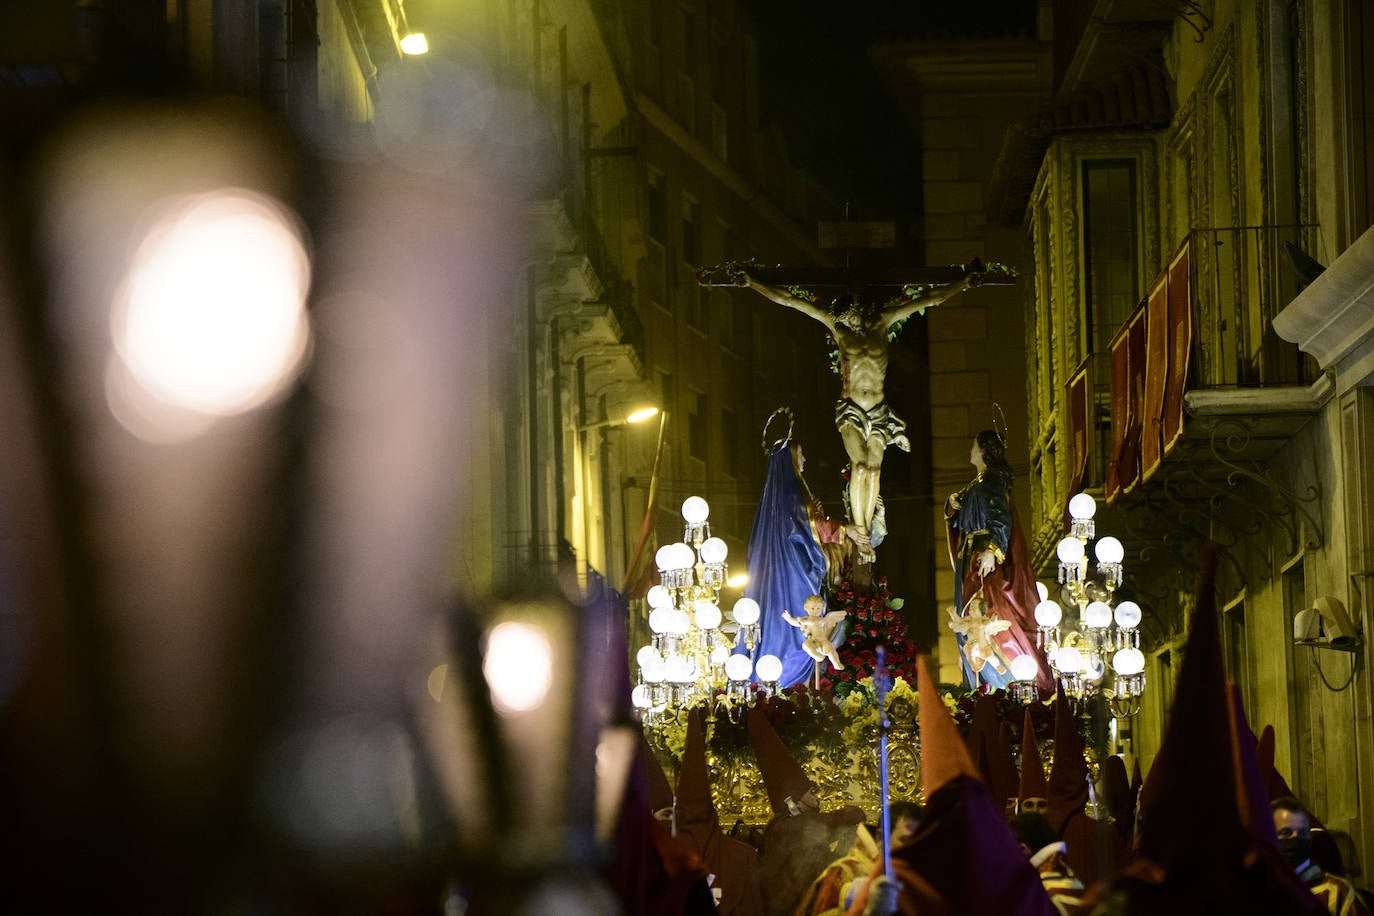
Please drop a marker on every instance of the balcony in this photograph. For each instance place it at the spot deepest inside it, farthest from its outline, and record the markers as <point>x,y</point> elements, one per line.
<point>1178,419</point>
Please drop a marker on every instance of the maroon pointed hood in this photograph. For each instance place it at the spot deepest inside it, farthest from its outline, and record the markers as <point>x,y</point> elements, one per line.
<point>1251,799</point>
<point>991,754</point>
<point>1033,783</point>
<point>1275,786</point>
<point>783,776</point>
<point>1068,787</point>
<point>1188,803</point>
<point>1196,854</point>
<point>657,787</point>
<point>1005,780</point>
<point>696,811</point>
<point>1116,787</point>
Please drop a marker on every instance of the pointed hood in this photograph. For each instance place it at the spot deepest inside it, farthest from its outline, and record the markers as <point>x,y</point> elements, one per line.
<point>1033,783</point>
<point>1196,854</point>
<point>1275,785</point>
<point>696,811</point>
<point>783,776</point>
<point>978,740</point>
<point>657,787</point>
<point>1068,791</point>
<point>1116,787</point>
<point>1005,780</point>
<point>735,865</point>
<point>964,858</point>
<point>1251,799</point>
<point>943,754</point>
<point>1188,805</point>
<point>983,722</point>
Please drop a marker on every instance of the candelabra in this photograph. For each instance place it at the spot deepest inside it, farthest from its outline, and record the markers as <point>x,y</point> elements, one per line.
<point>1106,632</point>
<point>689,658</point>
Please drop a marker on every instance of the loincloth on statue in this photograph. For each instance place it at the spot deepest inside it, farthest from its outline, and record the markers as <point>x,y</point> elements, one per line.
<point>878,420</point>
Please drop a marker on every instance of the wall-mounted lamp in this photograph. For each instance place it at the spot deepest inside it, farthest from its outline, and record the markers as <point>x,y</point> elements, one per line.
<point>414,44</point>
<point>1326,625</point>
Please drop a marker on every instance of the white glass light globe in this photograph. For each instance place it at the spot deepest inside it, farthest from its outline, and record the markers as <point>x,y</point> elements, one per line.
<point>655,672</point>
<point>1127,662</point>
<point>738,667</point>
<point>769,668</point>
<point>1097,615</point>
<point>640,697</point>
<point>746,612</point>
<point>646,654</point>
<point>1128,615</point>
<point>679,669</point>
<point>684,557</point>
<point>695,510</point>
<point>719,655</point>
<point>1024,667</point>
<point>1070,550</point>
<point>1069,660</point>
<point>664,558</point>
<point>678,622</point>
<point>1109,550</point>
<point>713,550</point>
<point>660,620</point>
<point>1093,667</point>
<point>659,597</point>
<point>1082,507</point>
<point>1048,613</point>
<point>707,615</point>
<point>1042,590</point>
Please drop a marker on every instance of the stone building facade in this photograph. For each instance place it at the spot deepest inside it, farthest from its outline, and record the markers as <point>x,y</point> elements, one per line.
<point>1223,153</point>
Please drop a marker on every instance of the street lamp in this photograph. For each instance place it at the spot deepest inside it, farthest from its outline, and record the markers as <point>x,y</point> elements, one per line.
<point>583,502</point>
<point>1106,633</point>
<point>689,657</point>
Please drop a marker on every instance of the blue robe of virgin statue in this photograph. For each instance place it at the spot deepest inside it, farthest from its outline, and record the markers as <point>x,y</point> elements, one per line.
<point>786,566</point>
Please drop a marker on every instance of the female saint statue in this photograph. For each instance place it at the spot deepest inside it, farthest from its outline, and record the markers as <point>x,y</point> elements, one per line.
<point>992,570</point>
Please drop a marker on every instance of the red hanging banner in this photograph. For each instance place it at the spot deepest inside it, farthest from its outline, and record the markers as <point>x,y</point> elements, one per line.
<point>1180,347</point>
<point>1156,376</point>
<point>1123,468</point>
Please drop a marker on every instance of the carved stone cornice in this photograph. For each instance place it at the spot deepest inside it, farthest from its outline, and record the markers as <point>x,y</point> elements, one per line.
<point>1333,318</point>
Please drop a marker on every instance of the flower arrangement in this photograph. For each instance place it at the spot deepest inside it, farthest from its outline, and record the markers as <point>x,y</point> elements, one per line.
<point>875,619</point>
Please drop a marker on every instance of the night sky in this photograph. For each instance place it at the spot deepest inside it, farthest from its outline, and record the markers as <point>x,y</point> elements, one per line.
<point>820,88</point>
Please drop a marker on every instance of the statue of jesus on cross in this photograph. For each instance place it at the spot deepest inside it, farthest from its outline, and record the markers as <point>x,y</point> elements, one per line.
<point>862,331</point>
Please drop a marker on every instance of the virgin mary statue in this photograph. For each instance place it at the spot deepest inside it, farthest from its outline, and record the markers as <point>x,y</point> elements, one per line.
<point>786,560</point>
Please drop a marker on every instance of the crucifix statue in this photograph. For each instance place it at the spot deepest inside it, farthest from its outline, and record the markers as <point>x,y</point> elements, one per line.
<point>862,319</point>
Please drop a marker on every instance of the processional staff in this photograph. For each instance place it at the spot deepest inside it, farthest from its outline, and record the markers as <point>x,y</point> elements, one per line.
<point>882,682</point>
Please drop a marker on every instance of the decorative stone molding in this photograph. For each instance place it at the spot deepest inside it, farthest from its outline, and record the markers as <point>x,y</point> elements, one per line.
<point>1333,319</point>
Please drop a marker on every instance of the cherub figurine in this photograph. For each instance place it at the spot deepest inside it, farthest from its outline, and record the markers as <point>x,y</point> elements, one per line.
<point>817,629</point>
<point>978,630</point>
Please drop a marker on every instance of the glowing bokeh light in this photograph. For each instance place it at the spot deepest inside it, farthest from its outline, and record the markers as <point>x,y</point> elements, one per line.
<point>211,316</point>
<point>518,666</point>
